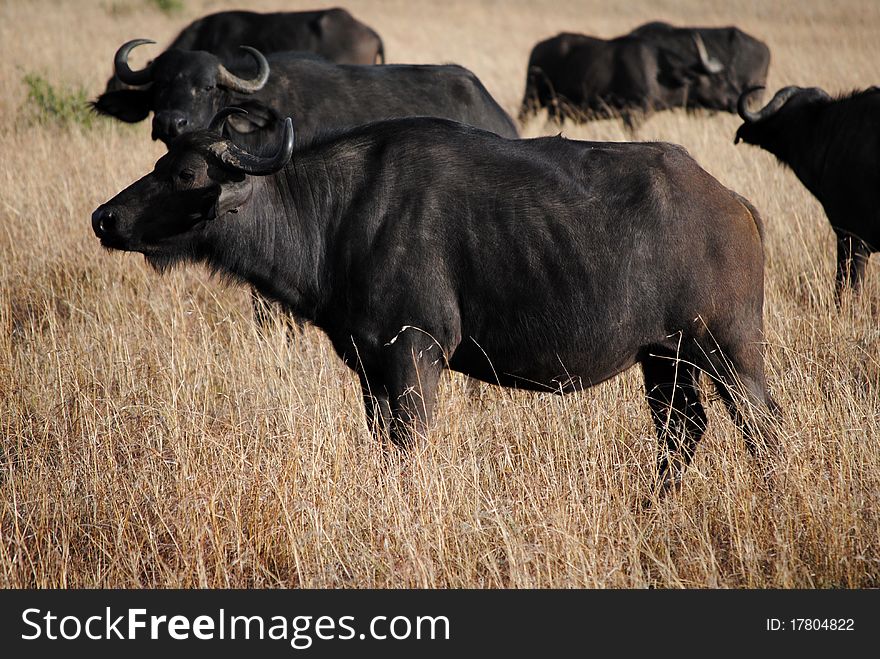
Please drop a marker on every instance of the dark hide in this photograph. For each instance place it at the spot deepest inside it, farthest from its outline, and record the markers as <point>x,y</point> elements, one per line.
<point>334,34</point>
<point>582,77</point>
<point>319,95</point>
<point>746,60</point>
<point>832,146</point>
<point>331,34</point>
<point>546,264</point>
<point>655,67</point>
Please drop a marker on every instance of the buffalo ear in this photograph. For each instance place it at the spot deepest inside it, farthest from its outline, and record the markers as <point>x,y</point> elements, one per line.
<point>131,105</point>
<point>258,117</point>
<point>316,25</point>
<point>233,194</point>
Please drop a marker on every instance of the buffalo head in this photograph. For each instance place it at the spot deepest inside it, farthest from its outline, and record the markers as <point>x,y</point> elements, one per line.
<point>202,179</point>
<point>761,127</point>
<point>184,89</point>
<point>696,79</point>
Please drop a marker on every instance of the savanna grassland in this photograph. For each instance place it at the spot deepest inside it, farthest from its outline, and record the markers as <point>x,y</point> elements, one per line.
<point>151,436</point>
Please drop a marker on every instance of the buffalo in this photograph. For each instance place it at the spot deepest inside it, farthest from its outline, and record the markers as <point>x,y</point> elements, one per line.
<point>184,89</point>
<point>655,67</point>
<point>332,34</point>
<point>422,244</point>
<point>734,59</point>
<point>831,145</point>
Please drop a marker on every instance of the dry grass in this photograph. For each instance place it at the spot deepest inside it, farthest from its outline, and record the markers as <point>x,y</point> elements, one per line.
<point>150,437</point>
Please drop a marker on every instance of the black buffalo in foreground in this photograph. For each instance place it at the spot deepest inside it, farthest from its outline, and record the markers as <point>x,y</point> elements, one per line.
<point>332,34</point>
<point>655,67</point>
<point>421,244</point>
<point>833,147</point>
<point>184,89</point>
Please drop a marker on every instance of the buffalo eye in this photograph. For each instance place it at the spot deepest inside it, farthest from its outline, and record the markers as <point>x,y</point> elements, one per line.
<point>209,88</point>
<point>186,175</point>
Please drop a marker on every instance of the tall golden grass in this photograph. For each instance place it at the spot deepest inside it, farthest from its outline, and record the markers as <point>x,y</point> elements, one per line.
<point>152,437</point>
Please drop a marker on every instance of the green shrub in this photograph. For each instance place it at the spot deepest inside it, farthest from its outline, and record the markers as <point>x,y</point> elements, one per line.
<point>167,6</point>
<point>48,104</point>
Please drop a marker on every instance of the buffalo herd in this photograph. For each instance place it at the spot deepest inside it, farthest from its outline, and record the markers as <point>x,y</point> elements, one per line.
<point>403,217</point>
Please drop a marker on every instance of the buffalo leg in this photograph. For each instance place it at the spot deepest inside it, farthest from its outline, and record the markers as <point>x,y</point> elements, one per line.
<point>531,100</point>
<point>544,95</point>
<point>632,120</point>
<point>678,415</point>
<point>413,362</point>
<point>852,261</point>
<point>376,407</point>
<point>264,310</point>
<point>738,372</point>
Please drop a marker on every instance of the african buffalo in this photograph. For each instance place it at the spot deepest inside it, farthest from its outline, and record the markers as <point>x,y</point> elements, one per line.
<point>655,67</point>
<point>185,89</point>
<point>334,34</point>
<point>831,145</point>
<point>736,59</point>
<point>421,244</point>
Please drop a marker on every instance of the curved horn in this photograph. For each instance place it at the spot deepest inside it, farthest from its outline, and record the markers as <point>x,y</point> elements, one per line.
<point>709,63</point>
<point>238,159</point>
<point>744,113</point>
<point>123,71</point>
<point>219,119</point>
<point>772,107</point>
<point>233,82</point>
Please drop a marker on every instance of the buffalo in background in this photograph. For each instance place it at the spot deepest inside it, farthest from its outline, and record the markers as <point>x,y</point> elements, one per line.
<point>332,34</point>
<point>655,67</point>
<point>833,147</point>
<point>733,60</point>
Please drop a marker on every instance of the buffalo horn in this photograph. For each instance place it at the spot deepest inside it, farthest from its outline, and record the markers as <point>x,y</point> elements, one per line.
<point>773,106</point>
<point>237,158</point>
<point>709,63</point>
<point>233,82</point>
<point>219,119</point>
<point>123,70</point>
